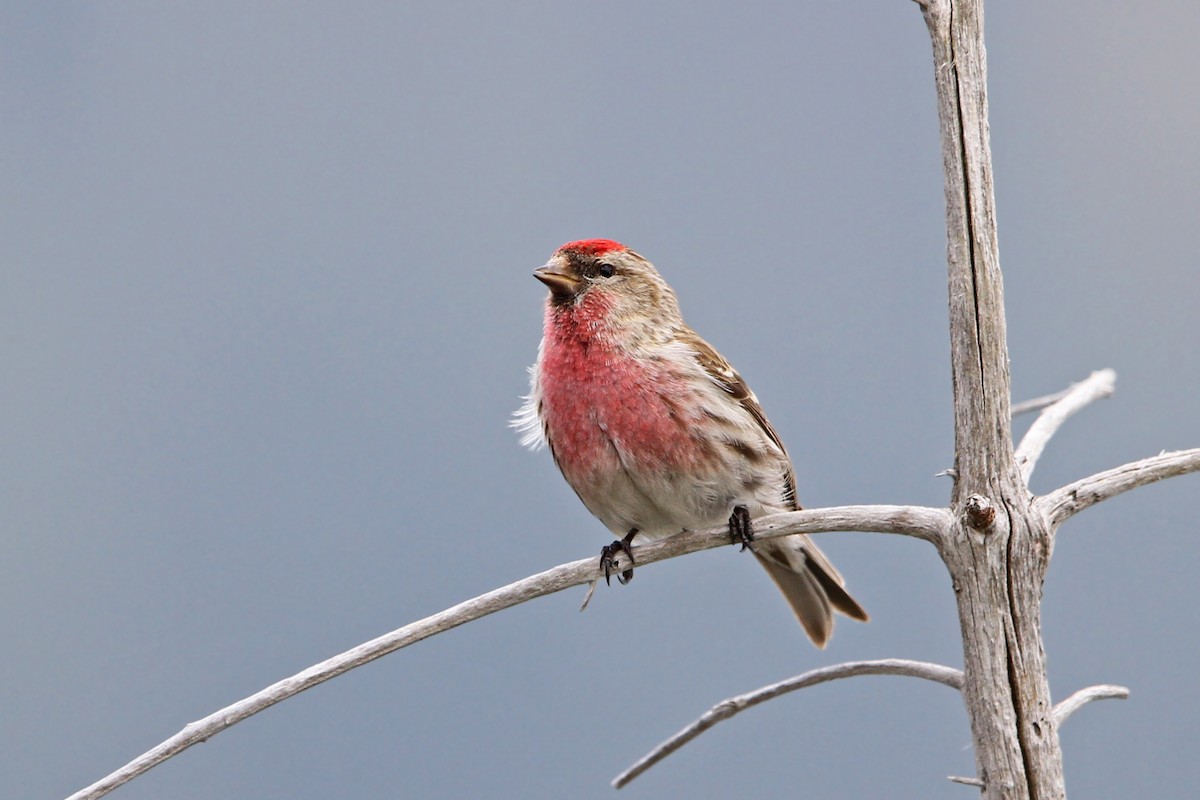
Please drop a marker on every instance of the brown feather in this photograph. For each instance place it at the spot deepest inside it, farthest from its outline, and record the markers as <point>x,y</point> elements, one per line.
<point>807,578</point>
<point>722,373</point>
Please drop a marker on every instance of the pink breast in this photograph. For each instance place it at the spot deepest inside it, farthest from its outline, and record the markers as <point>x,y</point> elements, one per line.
<point>599,402</point>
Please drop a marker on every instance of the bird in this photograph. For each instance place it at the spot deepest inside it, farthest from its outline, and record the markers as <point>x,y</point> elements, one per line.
<point>656,432</point>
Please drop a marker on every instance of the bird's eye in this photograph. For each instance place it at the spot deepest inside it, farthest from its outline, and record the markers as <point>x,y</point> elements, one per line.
<point>605,270</point>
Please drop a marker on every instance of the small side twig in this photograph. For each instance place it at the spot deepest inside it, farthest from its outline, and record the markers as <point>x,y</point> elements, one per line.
<point>1097,385</point>
<point>1081,698</point>
<point>1064,503</point>
<point>1036,404</point>
<point>734,705</point>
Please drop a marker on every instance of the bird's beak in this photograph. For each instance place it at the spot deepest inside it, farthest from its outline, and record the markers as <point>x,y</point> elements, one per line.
<point>562,284</point>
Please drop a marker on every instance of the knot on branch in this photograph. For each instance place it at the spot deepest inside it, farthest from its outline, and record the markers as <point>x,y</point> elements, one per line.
<point>979,513</point>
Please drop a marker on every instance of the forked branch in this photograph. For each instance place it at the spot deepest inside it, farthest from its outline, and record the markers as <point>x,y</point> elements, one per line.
<point>735,705</point>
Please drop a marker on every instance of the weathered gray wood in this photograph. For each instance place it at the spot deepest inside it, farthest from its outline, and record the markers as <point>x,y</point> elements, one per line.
<point>1084,696</point>
<point>1062,504</point>
<point>997,572</point>
<point>1099,384</point>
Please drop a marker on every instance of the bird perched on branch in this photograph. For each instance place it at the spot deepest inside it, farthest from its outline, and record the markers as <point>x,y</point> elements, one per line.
<point>655,431</point>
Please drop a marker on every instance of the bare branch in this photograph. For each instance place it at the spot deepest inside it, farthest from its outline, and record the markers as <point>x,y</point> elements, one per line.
<point>1097,385</point>
<point>926,523</point>
<point>1064,503</point>
<point>547,582</point>
<point>1084,696</point>
<point>734,705</point>
<point>922,522</point>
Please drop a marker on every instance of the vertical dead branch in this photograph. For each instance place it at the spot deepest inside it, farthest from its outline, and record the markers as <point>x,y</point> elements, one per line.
<point>997,570</point>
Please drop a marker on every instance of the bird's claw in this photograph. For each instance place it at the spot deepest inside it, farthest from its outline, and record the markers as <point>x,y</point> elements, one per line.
<point>740,527</point>
<point>608,555</point>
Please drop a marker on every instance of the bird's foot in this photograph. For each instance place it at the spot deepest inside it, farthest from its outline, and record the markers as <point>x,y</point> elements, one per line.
<point>740,527</point>
<point>608,555</point>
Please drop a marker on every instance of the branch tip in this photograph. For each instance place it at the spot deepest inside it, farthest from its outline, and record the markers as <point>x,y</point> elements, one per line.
<point>1082,697</point>
<point>1057,410</point>
<point>1067,501</point>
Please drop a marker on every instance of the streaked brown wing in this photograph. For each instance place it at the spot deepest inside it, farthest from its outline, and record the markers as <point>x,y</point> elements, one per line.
<point>722,373</point>
<point>803,573</point>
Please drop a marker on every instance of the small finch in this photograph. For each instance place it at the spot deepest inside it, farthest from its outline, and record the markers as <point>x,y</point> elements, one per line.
<point>655,431</point>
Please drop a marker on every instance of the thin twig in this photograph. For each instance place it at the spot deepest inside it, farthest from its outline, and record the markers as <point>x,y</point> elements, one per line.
<point>1064,503</point>
<point>1084,696</point>
<point>1037,404</point>
<point>734,705</point>
<point>1098,384</point>
<point>928,523</point>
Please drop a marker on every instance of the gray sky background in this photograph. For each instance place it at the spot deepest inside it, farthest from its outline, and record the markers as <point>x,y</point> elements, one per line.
<point>266,310</point>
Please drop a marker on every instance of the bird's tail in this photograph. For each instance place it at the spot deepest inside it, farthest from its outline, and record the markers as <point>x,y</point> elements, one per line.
<point>810,583</point>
